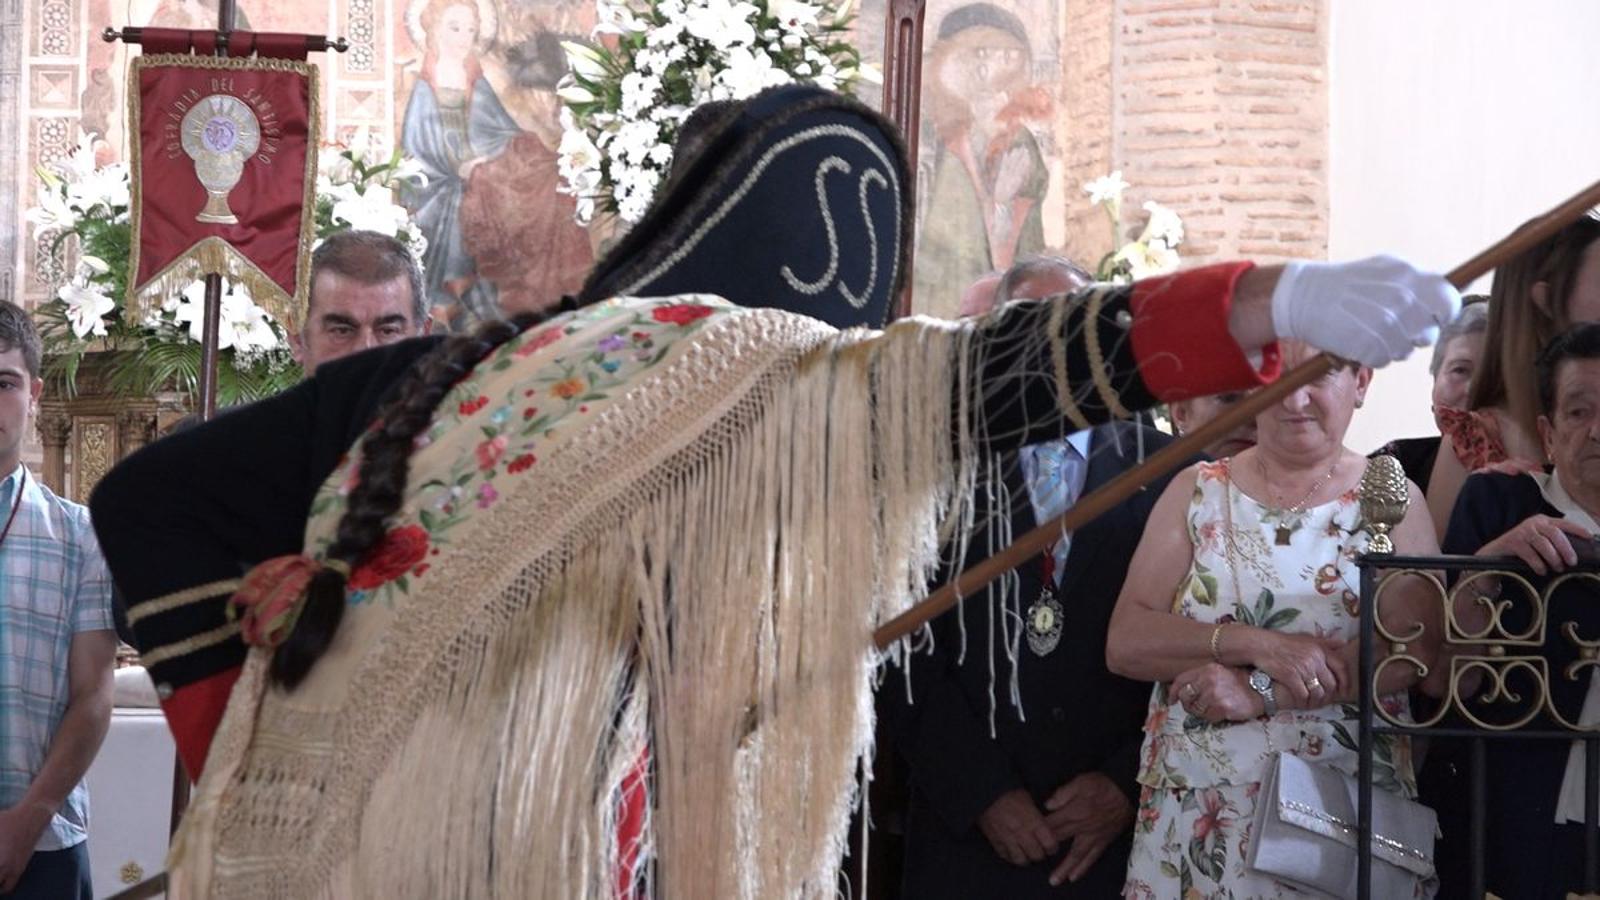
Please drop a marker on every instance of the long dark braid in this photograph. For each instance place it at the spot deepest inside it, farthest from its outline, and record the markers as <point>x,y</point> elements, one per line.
<point>385,467</point>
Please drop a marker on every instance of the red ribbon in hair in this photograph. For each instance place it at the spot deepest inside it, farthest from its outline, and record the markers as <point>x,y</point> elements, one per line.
<point>269,601</point>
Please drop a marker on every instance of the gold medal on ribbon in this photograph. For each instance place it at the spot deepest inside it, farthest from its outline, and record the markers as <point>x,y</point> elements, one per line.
<point>1044,622</point>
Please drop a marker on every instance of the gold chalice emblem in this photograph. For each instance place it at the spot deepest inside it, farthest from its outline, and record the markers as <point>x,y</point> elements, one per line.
<point>219,133</point>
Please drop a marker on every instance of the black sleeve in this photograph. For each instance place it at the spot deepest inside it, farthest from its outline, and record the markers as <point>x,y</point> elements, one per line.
<point>181,520</point>
<point>1017,399</point>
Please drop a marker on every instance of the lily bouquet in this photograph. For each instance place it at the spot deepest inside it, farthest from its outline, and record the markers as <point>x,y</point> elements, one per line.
<point>654,61</point>
<point>1153,252</point>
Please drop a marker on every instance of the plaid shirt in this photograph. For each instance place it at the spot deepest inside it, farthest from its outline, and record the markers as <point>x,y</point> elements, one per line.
<point>53,584</point>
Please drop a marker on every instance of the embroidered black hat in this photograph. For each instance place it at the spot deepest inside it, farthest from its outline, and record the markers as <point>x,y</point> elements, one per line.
<point>796,199</point>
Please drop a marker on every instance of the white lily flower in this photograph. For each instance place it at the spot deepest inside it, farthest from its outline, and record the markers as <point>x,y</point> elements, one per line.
<point>577,152</point>
<point>53,212</point>
<point>1147,260</point>
<point>189,310</point>
<point>575,93</point>
<point>1164,226</point>
<point>584,60</point>
<point>794,14</point>
<point>81,161</point>
<point>721,23</point>
<point>87,306</point>
<point>408,169</point>
<point>107,187</point>
<point>1106,189</point>
<point>361,144</point>
<point>748,72</point>
<point>616,18</point>
<point>585,211</point>
<point>244,326</point>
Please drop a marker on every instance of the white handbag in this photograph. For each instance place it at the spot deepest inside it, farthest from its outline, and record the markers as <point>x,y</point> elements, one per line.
<point>1305,834</point>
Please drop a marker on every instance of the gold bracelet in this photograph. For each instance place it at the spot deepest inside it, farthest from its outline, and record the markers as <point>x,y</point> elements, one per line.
<point>1216,642</point>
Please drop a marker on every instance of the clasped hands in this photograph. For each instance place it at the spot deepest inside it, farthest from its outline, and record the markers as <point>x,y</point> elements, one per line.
<point>1307,671</point>
<point>1088,814</point>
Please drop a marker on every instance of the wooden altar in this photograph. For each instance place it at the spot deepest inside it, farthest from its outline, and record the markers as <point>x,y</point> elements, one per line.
<point>85,434</point>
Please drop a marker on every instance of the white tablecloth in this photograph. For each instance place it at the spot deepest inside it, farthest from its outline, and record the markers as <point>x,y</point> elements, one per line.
<point>130,800</point>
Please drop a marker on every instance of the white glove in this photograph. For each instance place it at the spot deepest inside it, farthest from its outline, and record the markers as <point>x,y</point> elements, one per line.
<point>1374,311</point>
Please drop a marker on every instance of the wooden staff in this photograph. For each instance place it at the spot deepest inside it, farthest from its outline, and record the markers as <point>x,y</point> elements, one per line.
<point>211,324</point>
<point>1168,458</point>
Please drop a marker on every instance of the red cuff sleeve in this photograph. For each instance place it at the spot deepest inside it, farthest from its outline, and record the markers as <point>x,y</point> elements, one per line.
<point>193,713</point>
<point>1181,340</point>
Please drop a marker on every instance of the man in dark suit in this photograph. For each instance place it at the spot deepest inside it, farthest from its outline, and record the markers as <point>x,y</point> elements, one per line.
<point>1021,748</point>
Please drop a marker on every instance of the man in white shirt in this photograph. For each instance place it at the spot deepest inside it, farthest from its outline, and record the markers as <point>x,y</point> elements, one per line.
<point>56,652</point>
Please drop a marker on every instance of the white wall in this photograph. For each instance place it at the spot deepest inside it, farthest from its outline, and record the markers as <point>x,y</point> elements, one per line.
<point>1451,122</point>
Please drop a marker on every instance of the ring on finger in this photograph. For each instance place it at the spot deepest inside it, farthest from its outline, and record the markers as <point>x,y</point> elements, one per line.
<point>1313,683</point>
<point>1188,691</point>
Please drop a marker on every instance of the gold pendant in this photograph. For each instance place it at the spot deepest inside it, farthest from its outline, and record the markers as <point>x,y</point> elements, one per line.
<point>1284,532</point>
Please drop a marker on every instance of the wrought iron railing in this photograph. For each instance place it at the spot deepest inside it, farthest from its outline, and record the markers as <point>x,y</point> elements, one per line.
<point>1499,682</point>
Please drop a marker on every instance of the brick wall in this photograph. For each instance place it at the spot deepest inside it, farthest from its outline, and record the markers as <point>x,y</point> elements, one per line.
<point>1219,109</point>
<point>1083,131</point>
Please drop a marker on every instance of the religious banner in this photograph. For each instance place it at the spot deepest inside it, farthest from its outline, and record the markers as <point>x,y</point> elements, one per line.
<point>224,171</point>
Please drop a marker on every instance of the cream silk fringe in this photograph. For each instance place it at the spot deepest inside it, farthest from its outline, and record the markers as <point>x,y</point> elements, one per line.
<point>704,563</point>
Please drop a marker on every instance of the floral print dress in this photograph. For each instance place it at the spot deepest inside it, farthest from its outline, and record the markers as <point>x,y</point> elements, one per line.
<point>1200,781</point>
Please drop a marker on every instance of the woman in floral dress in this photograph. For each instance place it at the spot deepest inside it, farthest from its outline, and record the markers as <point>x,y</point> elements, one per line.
<point>1246,565</point>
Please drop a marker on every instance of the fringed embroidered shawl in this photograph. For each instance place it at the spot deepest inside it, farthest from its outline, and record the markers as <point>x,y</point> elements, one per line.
<point>672,518</point>
<point>671,512</point>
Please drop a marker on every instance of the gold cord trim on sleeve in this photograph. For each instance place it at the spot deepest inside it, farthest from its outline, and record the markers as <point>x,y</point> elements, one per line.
<point>1058,359</point>
<point>189,645</point>
<point>169,602</point>
<point>1097,361</point>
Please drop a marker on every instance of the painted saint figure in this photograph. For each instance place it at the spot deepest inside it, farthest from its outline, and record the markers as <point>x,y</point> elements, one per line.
<point>989,177</point>
<point>453,124</point>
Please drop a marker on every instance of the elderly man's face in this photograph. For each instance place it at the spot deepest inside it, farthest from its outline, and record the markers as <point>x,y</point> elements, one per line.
<point>347,316</point>
<point>1571,432</point>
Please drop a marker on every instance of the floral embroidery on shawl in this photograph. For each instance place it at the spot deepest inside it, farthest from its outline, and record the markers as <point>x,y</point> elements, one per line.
<point>506,421</point>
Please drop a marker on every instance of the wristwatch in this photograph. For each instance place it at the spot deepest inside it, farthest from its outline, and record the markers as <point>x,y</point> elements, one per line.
<point>1261,683</point>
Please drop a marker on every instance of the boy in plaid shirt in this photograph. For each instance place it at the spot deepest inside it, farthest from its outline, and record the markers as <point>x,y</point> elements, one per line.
<point>56,652</point>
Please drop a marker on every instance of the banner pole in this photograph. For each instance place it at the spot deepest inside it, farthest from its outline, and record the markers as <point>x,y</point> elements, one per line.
<point>211,324</point>
<point>209,339</point>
